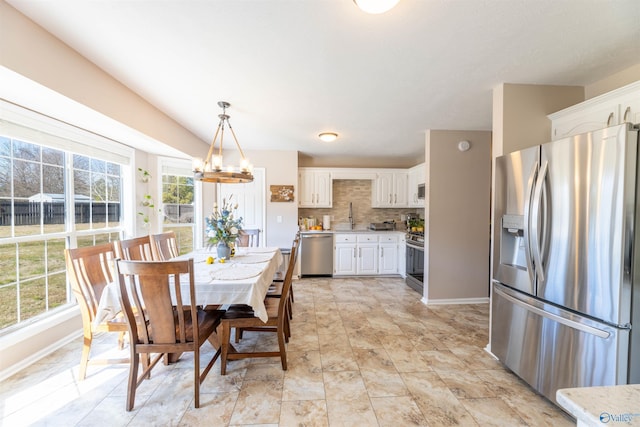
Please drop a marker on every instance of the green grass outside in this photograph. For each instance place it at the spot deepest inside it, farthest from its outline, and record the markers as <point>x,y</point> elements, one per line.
<point>34,273</point>
<point>184,236</point>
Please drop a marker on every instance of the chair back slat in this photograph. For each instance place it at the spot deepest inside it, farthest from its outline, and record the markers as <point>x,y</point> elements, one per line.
<point>135,249</point>
<point>249,237</point>
<point>164,246</point>
<point>90,270</point>
<point>286,286</point>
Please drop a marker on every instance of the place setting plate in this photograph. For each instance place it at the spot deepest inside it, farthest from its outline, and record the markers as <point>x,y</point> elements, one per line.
<point>254,250</point>
<point>250,258</point>
<point>235,272</point>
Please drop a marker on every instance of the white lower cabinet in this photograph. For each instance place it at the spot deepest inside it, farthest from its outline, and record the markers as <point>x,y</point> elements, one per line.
<point>365,254</point>
<point>389,255</point>
<point>344,257</point>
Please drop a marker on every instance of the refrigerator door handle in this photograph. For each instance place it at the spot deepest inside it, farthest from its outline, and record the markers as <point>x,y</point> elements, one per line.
<point>527,219</point>
<point>542,313</point>
<point>536,208</point>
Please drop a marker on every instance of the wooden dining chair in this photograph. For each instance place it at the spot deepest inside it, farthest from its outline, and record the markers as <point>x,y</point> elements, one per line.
<point>244,320</point>
<point>249,237</point>
<point>275,290</point>
<point>136,249</point>
<point>161,324</point>
<point>164,246</point>
<point>90,270</point>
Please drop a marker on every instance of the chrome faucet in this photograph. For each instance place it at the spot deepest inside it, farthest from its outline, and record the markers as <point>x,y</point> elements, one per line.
<point>351,215</point>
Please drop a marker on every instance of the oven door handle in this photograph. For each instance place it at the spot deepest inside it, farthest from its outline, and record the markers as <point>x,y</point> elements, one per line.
<point>420,248</point>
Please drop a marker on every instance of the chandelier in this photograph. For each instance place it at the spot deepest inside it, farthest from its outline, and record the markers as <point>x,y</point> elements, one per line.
<point>212,169</point>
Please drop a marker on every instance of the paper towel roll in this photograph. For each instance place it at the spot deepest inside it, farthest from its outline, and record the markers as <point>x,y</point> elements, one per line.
<point>326,222</point>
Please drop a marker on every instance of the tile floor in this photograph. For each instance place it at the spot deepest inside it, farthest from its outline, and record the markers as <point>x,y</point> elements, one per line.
<point>364,352</point>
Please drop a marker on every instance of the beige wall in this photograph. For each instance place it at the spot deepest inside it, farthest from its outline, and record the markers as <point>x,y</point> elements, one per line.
<point>281,168</point>
<point>523,113</point>
<point>615,81</point>
<point>457,215</point>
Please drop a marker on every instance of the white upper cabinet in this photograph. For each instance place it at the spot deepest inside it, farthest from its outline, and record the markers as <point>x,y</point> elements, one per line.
<point>390,190</point>
<point>612,108</point>
<point>416,177</point>
<point>315,188</point>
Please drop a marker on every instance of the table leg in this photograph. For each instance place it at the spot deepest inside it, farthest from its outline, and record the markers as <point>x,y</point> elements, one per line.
<point>214,339</point>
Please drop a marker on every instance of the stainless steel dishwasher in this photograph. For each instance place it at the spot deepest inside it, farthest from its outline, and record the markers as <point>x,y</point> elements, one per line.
<point>316,254</point>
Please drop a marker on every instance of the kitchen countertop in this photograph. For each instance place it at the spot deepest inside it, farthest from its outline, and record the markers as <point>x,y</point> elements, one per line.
<point>597,406</point>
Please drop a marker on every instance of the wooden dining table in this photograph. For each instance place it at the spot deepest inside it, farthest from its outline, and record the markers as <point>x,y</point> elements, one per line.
<point>243,279</point>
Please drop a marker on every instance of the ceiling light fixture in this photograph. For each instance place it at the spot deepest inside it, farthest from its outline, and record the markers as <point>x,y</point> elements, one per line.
<point>328,136</point>
<point>376,6</point>
<point>212,169</point>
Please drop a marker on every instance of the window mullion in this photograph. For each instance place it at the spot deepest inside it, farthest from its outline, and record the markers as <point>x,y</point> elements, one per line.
<point>70,212</point>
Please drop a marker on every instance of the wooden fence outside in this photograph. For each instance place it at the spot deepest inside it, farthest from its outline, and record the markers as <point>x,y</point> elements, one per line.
<point>28,213</point>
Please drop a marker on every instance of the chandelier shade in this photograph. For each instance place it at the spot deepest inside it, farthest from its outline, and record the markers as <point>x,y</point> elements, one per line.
<point>212,168</point>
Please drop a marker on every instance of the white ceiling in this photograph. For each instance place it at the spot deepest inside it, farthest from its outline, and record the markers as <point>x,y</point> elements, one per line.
<point>294,68</point>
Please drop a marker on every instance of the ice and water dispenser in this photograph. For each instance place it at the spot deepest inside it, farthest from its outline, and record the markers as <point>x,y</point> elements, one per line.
<point>512,251</point>
<point>512,269</point>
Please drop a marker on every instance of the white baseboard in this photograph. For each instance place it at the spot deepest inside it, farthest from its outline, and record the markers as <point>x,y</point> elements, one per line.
<point>455,301</point>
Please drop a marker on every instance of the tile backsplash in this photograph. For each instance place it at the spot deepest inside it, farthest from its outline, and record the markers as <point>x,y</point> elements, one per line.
<point>358,192</point>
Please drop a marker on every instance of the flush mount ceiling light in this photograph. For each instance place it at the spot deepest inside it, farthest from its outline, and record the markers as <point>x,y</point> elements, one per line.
<point>376,6</point>
<point>328,136</point>
<point>212,169</point>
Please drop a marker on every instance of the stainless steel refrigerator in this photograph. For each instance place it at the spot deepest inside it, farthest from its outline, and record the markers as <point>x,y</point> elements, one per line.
<point>565,300</point>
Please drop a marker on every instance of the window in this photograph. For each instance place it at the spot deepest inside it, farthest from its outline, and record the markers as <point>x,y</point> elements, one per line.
<point>54,194</point>
<point>178,202</point>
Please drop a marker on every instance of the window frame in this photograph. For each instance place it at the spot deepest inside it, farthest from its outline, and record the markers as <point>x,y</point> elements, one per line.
<point>183,168</point>
<point>31,127</point>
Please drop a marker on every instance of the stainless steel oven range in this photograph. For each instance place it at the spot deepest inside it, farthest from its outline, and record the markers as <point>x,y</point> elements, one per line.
<point>415,261</point>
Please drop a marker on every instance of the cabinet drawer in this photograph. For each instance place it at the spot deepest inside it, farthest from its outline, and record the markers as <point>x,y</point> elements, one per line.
<point>345,238</point>
<point>368,238</point>
<point>388,239</point>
